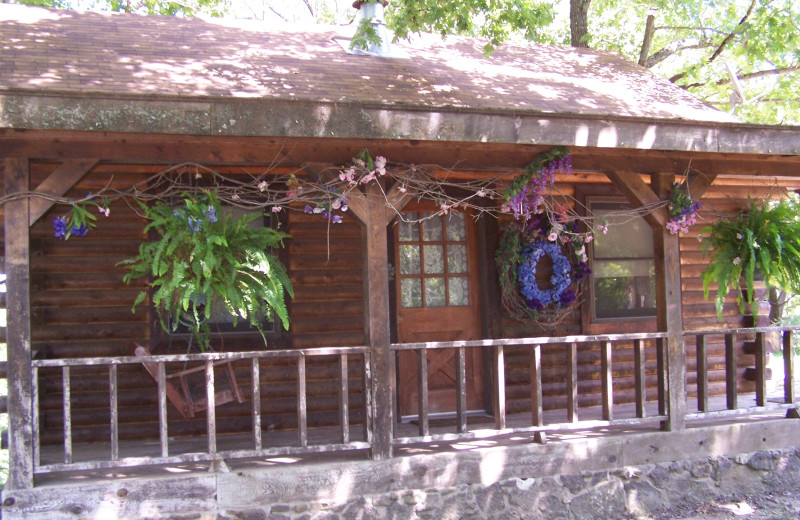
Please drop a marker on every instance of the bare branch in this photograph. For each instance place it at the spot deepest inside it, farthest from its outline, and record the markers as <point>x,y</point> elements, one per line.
<point>672,49</point>
<point>751,75</point>
<point>649,30</point>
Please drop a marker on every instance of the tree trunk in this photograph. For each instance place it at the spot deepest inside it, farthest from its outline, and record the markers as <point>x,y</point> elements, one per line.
<point>579,22</point>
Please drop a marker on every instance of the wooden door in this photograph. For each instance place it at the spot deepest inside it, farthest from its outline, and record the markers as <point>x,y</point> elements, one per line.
<point>437,300</point>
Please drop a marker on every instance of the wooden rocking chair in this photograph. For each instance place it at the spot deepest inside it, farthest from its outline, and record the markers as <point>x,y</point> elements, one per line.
<point>180,396</point>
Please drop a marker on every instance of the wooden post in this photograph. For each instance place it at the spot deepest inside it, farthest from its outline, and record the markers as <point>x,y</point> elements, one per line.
<point>18,328</point>
<point>371,209</point>
<point>702,373</point>
<point>669,309</point>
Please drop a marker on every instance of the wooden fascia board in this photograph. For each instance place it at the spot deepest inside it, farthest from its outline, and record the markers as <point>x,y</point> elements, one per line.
<point>57,184</point>
<point>639,194</point>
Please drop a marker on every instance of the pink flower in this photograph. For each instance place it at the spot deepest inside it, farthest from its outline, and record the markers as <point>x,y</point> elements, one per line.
<point>104,211</point>
<point>276,209</point>
<point>737,261</point>
<point>588,238</point>
<point>262,186</point>
<point>552,237</point>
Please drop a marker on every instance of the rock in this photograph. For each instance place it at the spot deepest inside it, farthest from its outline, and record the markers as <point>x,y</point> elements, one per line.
<point>605,500</point>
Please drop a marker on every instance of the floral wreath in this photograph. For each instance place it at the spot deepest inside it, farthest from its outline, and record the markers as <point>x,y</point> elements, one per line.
<point>560,280</point>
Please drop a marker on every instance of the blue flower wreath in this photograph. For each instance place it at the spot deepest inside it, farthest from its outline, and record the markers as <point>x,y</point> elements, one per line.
<point>560,279</point>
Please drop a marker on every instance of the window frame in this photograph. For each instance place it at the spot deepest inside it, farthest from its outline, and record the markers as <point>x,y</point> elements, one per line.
<point>590,324</point>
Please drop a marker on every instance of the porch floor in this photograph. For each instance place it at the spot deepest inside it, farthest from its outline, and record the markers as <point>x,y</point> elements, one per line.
<point>481,425</point>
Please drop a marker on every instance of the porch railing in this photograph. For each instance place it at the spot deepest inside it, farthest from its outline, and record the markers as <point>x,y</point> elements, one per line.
<point>340,355</point>
<point>757,339</point>
<point>649,360</point>
<point>537,425</point>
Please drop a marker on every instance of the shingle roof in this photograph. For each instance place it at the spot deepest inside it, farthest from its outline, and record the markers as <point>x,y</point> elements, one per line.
<point>122,54</point>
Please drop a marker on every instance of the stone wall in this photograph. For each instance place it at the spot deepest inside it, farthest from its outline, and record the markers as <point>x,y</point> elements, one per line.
<point>630,492</point>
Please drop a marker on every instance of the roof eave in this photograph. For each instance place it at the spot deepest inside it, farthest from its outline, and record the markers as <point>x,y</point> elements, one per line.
<point>232,116</point>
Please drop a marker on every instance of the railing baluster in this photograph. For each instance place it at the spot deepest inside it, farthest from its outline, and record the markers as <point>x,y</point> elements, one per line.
<point>395,405</point>
<point>344,400</point>
<point>461,390</point>
<point>37,447</point>
<point>572,383</point>
<point>67,416</point>
<point>607,390</point>
<point>162,409</point>
<point>113,401</point>
<point>255,376</point>
<point>537,415</point>
<point>499,392</point>
<point>702,373</point>
<point>211,410</point>
<point>731,382</point>
<point>422,391</point>
<point>640,377</point>
<point>661,368</point>
<point>761,370</point>
<point>367,388</point>
<point>788,367</point>
<point>302,405</point>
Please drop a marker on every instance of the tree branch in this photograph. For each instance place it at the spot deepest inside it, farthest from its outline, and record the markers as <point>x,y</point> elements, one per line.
<point>672,49</point>
<point>751,75</point>
<point>722,45</point>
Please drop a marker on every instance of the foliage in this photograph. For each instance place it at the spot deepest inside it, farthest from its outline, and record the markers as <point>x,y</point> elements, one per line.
<point>494,20</point>
<point>764,237</point>
<point>695,39</point>
<point>525,194</point>
<point>204,257</point>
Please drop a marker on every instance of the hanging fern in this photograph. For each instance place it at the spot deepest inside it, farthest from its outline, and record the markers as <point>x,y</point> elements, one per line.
<point>204,258</point>
<point>764,238</point>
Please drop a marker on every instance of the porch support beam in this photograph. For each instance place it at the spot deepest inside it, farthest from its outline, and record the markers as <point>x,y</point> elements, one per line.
<point>57,184</point>
<point>668,283</point>
<point>669,310</point>
<point>371,208</point>
<point>696,184</point>
<point>17,253</point>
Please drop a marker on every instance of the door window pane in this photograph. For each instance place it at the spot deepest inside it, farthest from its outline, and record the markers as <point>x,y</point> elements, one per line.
<point>456,259</point>
<point>409,231</point>
<point>431,228</point>
<point>456,228</point>
<point>434,292</point>
<point>459,291</point>
<point>434,259</point>
<point>411,292</point>
<point>409,259</point>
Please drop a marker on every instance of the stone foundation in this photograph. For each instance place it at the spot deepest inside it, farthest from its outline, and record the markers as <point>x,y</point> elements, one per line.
<point>629,492</point>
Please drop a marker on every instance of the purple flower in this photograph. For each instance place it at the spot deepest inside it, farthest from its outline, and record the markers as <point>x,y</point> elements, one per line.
<point>336,219</point>
<point>211,214</point>
<point>194,224</point>
<point>79,231</point>
<point>567,297</point>
<point>60,228</point>
<point>308,209</point>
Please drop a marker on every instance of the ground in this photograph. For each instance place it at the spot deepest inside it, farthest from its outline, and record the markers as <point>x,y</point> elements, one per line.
<point>778,505</point>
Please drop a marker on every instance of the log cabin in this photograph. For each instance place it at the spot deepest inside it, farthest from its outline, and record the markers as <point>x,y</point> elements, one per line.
<point>105,103</point>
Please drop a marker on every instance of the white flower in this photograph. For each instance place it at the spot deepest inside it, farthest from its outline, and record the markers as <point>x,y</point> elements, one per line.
<point>739,236</point>
<point>737,261</point>
<point>262,186</point>
<point>481,193</point>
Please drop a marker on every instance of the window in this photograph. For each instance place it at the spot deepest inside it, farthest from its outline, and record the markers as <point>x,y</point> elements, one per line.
<point>623,271</point>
